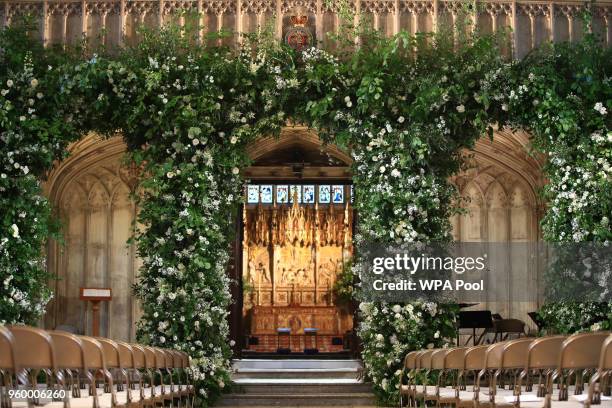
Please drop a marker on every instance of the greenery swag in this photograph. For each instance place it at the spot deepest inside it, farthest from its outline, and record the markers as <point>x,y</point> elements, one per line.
<point>404,107</point>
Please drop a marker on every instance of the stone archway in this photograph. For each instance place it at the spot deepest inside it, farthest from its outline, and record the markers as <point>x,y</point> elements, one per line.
<point>91,193</point>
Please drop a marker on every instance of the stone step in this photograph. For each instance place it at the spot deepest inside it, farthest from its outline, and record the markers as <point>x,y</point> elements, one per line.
<point>281,388</point>
<point>271,374</point>
<point>297,400</point>
<point>252,363</point>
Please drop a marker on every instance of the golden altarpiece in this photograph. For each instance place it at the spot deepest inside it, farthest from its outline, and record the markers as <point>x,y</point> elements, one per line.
<point>292,254</point>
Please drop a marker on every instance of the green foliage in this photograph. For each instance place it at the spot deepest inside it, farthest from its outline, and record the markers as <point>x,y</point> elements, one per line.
<point>562,95</point>
<point>574,317</point>
<point>403,106</point>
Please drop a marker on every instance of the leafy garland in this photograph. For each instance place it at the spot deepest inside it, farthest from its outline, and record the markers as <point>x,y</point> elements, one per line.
<point>404,106</point>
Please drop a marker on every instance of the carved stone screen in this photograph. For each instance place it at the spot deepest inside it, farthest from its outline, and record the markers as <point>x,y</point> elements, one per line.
<point>297,239</point>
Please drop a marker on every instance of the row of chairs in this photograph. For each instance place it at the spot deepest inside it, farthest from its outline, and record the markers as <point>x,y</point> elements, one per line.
<point>556,371</point>
<point>59,369</point>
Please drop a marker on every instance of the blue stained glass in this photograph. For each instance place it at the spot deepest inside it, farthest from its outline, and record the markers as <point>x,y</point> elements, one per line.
<point>308,195</point>
<point>252,194</point>
<point>266,193</point>
<point>337,194</point>
<point>282,194</point>
<point>294,190</point>
<point>324,194</point>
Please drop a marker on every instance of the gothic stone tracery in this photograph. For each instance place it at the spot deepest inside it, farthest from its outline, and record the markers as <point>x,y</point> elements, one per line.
<point>531,21</point>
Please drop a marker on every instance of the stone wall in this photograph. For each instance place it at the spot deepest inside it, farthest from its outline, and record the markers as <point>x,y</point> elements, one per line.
<point>114,22</point>
<point>91,191</point>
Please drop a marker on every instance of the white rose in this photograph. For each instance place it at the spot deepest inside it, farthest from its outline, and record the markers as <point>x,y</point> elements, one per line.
<point>235,170</point>
<point>460,108</point>
<point>395,173</point>
<point>401,119</point>
<point>34,83</point>
<point>195,142</point>
<point>233,140</point>
<point>15,231</point>
<point>9,83</point>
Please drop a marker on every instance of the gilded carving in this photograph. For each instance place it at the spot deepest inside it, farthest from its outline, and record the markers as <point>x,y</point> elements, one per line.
<point>292,255</point>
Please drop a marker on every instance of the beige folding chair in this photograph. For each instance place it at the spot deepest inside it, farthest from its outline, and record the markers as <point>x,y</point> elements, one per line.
<point>423,366</point>
<point>601,378</point>
<point>70,360</point>
<point>579,354</point>
<point>152,397</point>
<point>129,371</point>
<point>407,374</point>
<point>8,365</point>
<point>161,365</point>
<point>96,364</point>
<point>542,359</point>
<point>27,339</point>
<point>454,363</point>
<point>140,367</point>
<point>473,363</point>
<point>115,366</point>
<point>432,392</point>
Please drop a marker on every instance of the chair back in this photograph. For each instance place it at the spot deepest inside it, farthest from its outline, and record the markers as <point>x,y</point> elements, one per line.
<point>93,353</point>
<point>605,362</point>
<point>7,350</point>
<point>493,355</point>
<point>437,359</point>
<point>424,361</point>
<point>68,350</point>
<point>150,360</point>
<point>515,353</point>
<point>455,358</point>
<point>544,352</point>
<point>410,360</point>
<point>126,355</point>
<point>475,357</point>
<point>185,358</point>
<point>140,360</point>
<point>111,353</point>
<point>161,358</point>
<point>28,339</point>
<point>582,351</point>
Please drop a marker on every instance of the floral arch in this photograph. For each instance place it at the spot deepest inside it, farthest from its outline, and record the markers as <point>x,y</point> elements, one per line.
<point>188,113</point>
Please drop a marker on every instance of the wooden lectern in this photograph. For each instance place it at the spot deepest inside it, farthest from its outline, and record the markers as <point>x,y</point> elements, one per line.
<point>95,296</point>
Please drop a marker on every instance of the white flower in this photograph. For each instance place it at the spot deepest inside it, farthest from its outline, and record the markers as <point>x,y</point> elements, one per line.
<point>169,174</point>
<point>162,339</point>
<point>10,83</point>
<point>347,100</point>
<point>235,170</point>
<point>396,173</point>
<point>397,308</point>
<point>401,119</point>
<point>504,107</point>
<point>15,231</point>
<point>22,118</point>
<point>39,95</point>
<point>380,337</point>
<point>25,169</point>
<point>382,169</point>
<point>3,175</point>
<point>460,108</point>
<point>233,140</point>
<point>437,334</point>
<point>34,83</point>
<point>195,142</point>
<point>600,108</point>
